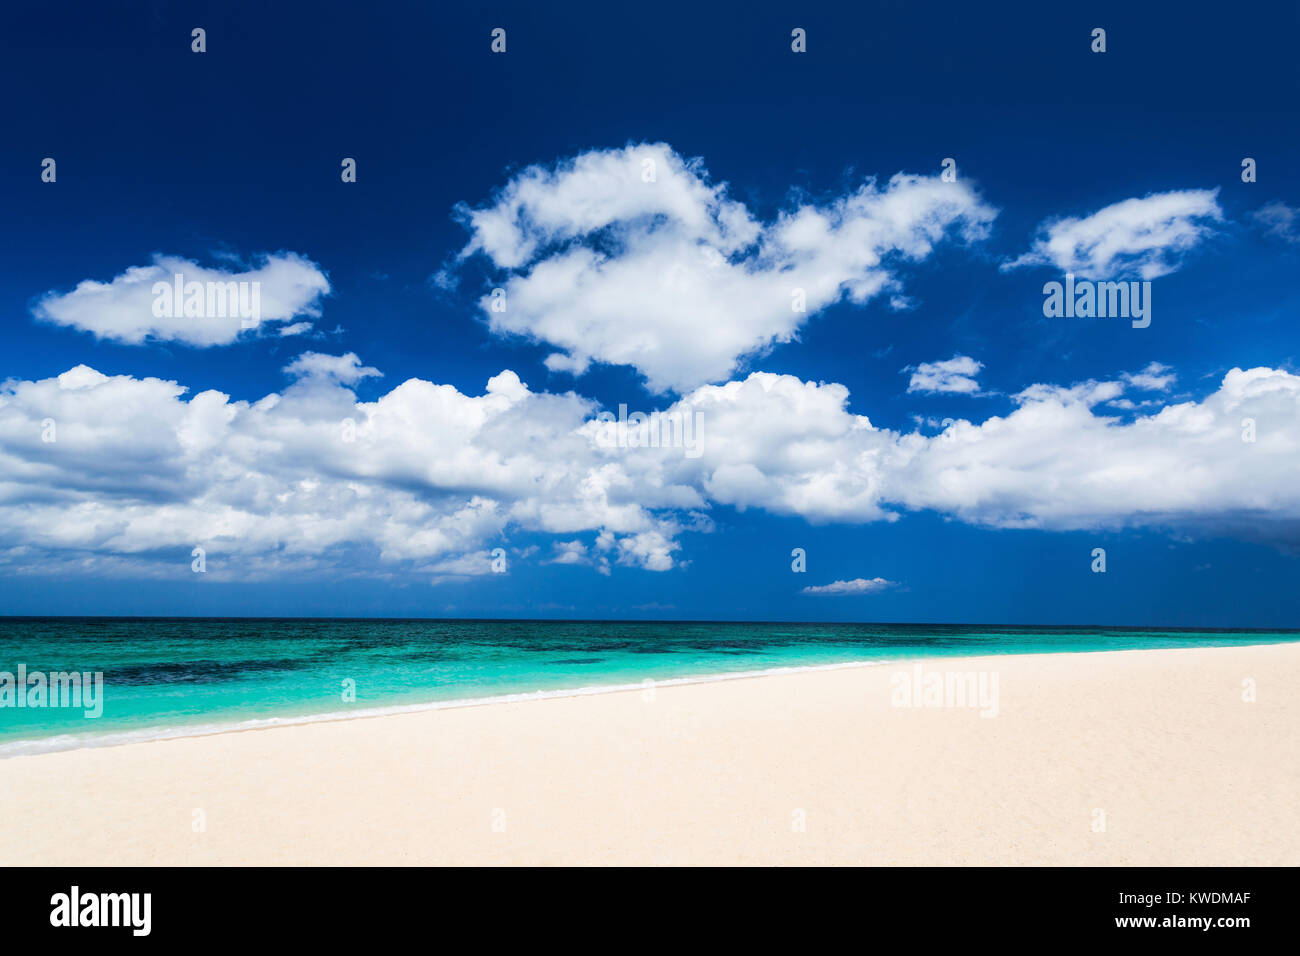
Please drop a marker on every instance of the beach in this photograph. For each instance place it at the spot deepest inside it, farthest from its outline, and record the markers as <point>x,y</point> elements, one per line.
<point>1137,757</point>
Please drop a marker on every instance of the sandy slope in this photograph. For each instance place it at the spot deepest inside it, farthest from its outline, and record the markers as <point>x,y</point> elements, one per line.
<point>1185,771</point>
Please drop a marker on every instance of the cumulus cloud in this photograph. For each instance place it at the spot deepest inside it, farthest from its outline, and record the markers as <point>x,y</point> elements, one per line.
<point>1146,238</point>
<point>956,374</point>
<point>1057,461</point>
<point>103,473</point>
<point>139,305</point>
<point>635,257</point>
<point>309,477</point>
<point>856,586</point>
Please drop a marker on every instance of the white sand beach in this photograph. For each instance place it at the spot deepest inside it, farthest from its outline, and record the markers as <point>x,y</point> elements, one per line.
<point>1115,758</point>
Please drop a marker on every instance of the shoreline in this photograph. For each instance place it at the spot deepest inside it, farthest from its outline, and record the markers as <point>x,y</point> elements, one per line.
<point>38,746</point>
<point>803,768</point>
<point>393,710</point>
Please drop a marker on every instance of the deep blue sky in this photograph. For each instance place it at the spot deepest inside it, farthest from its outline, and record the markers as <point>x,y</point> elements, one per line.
<point>163,151</point>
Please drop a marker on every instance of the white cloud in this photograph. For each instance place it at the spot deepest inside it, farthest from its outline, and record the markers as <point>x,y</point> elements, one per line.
<point>569,552</point>
<point>1145,237</point>
<point>1055,462</point>
<point>956,374</point>
<point>1154,378</point>
<point>469,565</point>
<point>1280,220</point>
<point>127,309</point>
<point>424,477</point>
<point>856,586</point>
<point>346,369</point>
<point>787,446</point>
<point>430,478</point>
<point>677,279</point>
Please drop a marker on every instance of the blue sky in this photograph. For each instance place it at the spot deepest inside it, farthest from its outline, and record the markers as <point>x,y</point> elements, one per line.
<point>772,170</point>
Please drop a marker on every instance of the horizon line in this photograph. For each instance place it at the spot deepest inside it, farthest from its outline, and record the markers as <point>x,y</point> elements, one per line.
<point>605,620</point>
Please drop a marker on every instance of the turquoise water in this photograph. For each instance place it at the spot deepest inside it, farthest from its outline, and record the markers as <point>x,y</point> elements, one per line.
<point>164,676</point>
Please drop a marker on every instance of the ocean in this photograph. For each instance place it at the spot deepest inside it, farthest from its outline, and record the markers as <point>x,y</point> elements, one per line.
<point>167,677</point>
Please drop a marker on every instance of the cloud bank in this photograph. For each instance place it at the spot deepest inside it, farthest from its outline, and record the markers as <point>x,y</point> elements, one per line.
<point>114,472</point>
